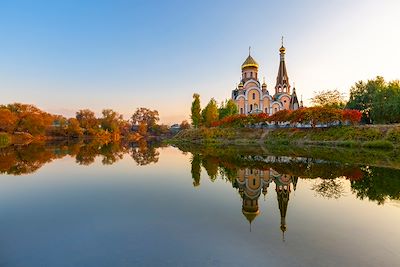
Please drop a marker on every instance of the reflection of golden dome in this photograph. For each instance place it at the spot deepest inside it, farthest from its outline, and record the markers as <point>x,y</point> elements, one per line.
<point>282,49</point>
<point>250,215</point>
<point>249,62</point>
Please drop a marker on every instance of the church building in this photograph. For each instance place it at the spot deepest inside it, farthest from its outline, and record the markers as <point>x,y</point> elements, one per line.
<point>252,97</point>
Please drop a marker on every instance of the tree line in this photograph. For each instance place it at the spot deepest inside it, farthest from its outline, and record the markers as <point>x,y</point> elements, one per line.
<point>25,118</point>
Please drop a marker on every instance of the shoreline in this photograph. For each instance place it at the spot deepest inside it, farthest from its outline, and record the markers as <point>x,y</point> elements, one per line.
<point>364,136</point>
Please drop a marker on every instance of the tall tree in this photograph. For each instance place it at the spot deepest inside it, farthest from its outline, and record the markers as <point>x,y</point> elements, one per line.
<point>210,113</point>
<point>196,111</point>
<point>227,108</point>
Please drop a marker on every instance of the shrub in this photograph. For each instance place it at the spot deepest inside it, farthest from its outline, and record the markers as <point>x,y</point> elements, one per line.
<point>379,144</point>
<point>4,139</point>
<point>393,135</point>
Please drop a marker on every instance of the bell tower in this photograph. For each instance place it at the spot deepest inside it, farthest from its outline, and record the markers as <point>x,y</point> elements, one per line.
<point>282,80</point>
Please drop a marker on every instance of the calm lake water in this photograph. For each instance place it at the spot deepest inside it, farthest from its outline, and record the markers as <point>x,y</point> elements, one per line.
<point>137,205</point>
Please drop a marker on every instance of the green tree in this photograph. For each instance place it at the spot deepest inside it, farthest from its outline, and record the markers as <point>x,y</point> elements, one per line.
<point>227,108</point>
<point>210,113</point>
<point>377,100</point>
<point>196,111</point>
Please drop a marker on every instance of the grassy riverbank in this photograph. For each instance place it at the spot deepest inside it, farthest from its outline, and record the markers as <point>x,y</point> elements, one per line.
<point>365,136</point>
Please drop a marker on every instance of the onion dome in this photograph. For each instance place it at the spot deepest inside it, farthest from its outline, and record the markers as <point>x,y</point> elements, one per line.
<point>241,85</point>
<point>264,85</point>
<point>250,215</point>
<point>249,62</point>
<point>282,49</point>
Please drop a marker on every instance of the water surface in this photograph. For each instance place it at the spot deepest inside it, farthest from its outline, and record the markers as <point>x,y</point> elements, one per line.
<point>137,205</point>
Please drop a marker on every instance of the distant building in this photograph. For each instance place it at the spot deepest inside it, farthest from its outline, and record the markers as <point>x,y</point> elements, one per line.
<point>253,97</point>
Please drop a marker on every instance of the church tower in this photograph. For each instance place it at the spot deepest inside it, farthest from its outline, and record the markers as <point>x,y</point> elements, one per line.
<point>249,69</point>
<point>282,80</point>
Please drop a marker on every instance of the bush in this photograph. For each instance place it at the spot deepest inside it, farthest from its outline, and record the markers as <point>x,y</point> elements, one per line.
<point>393,135</point>
<point>379,144</point>
<point>5,139</point>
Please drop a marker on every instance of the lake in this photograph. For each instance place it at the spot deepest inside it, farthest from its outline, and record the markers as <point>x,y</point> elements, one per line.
<point>150,205</point>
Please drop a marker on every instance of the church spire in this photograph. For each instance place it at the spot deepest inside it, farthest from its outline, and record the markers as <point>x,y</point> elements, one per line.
<point>282,80</point>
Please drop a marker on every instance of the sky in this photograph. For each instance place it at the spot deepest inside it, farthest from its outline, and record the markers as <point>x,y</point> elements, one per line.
<point>68,55</point>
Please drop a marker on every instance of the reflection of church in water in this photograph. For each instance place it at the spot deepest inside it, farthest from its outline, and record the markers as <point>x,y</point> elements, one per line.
<point>253,182</point>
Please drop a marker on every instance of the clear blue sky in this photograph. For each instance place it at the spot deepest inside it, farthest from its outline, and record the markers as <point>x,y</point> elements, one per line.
<point>67,55</point>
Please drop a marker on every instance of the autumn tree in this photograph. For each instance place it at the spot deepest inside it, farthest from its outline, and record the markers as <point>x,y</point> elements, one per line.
<point>73,128</point>
<point>210,113</point>
<point>328,98</point>
<point>145,115</point>
<point>196,111</point>
<point>8,120</point>
<point>30,119</point>
<point>87,119</point>
<point>184,125</point>
<point>227,108</point>
<point>111,121</point>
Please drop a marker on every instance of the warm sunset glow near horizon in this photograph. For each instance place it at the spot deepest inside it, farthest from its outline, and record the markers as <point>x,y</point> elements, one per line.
<point>68,55</point>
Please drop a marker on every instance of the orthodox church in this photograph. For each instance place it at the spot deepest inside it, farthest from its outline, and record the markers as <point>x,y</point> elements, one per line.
<point>252,97</point>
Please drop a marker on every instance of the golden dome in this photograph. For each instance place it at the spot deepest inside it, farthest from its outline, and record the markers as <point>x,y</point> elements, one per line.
<point>282,49</point>
<point>249,62</point>
<point>250,215</point>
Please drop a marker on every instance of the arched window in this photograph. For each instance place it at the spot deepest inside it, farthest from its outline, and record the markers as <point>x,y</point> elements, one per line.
<point>254,96</point>
<point>241,110</point>
<point>251,107</point>
<point>266,110</point>
<point>251,75</point>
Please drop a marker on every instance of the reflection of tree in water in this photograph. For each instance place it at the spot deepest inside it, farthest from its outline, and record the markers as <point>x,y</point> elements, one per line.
<point>329,188</point>
<point>196,169</point>
<point>87,154</point>
<point>112,152</point>
<point>379,184</point>
<point>19,160</point>
<point>144,154</point>
<point>211,165</point>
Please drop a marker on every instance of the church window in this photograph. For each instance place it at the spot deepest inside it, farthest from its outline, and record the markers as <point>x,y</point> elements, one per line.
<point>254,96</point>
<point>251,107</point>
<point>251,75</point>
<point>254,181</point>
<point>241,110</point>
<point>266,110</point>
